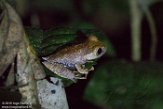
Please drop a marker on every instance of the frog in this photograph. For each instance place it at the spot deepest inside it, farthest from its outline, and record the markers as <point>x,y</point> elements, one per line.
<point>69,62</point>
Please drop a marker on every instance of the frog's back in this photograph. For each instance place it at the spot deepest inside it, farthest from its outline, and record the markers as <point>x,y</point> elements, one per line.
<point>68,56</point>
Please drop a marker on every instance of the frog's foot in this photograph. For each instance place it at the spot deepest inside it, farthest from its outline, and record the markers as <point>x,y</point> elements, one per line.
<point>82,69</point>
<point>81,76</point>
<point>91,69</point>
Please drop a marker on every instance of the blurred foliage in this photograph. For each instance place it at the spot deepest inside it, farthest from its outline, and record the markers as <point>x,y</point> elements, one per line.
<point>91,6</point>
<point>65,5</point>
<point>11,2</point>
<point>122,85</point>
<point>148,3</point>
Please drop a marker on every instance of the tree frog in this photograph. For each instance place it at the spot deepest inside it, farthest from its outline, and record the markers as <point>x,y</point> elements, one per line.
<point>70,61</point>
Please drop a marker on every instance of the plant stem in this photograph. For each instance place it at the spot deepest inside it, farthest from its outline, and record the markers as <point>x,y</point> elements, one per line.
<point>136,18</point>
<point>153,34</point>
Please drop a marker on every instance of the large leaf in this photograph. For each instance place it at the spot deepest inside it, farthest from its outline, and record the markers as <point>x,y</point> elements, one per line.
<point>11,32</point>
<point>57,37</point>
<point>35,36</point>
<point>16,51</point>
<point>46,42</point>
<point>121,85</point>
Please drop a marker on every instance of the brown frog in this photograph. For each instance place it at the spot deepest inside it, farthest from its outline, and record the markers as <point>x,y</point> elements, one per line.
<point>70,61</point>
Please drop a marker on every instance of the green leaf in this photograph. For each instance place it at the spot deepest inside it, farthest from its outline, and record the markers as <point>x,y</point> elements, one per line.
<point>35,36</point>
<point>49,49</point>
<point>55,38</point>
<point>59,31</point>
<point>58,39</point>
<point>122,85</point>
<point>46,42</point>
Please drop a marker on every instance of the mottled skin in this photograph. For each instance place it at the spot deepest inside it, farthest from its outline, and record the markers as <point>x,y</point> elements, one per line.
<point>73,58</point>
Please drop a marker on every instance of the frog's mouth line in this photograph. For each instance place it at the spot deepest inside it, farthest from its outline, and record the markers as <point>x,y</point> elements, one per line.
<point>91,61</point>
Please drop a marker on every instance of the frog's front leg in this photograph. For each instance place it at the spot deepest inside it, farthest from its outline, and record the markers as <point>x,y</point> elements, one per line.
<point>83,70</point>
<point>60,70</point>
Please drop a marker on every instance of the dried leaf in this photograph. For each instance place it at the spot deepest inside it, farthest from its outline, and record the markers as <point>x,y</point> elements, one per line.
<point>14,45</point>
<point>29,70</point>
<point>11,36</point>
<point>10,78</point>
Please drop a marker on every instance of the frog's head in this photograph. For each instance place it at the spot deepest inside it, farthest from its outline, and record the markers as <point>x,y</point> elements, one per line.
<point>95,49</point>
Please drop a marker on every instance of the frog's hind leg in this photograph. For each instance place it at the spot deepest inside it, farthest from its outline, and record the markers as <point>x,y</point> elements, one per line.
<point>60,70</point>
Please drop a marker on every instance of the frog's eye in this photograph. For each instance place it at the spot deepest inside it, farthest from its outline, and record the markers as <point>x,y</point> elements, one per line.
<point>99,51</point>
